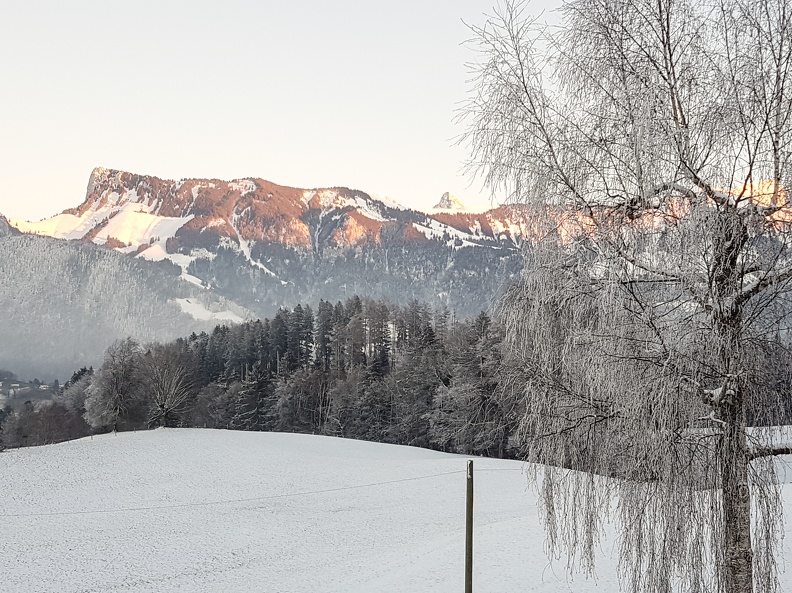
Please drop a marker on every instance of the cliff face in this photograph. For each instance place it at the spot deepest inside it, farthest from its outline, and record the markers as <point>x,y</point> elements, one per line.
<point>208,205</point>
<point>449,201</point>
<point>5,229</point>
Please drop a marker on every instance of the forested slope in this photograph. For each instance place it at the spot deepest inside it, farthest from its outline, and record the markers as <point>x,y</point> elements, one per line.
<point>63,302</point>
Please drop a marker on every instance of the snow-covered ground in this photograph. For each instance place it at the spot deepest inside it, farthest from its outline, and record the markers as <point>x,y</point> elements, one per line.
<point>204,511</point>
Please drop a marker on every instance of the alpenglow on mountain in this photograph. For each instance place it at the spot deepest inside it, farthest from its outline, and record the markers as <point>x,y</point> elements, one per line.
<point>449,201</point>
<point>262,245</point>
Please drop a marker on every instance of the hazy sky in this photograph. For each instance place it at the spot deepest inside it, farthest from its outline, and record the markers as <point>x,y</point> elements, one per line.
<point>357,93</point>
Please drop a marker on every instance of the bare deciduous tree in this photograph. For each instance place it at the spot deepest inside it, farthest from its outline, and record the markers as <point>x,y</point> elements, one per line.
<point>166,384</point>
<point>651,329</point>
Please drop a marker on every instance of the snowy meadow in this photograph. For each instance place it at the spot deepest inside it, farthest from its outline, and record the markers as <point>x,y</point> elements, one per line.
<point>208,510</point>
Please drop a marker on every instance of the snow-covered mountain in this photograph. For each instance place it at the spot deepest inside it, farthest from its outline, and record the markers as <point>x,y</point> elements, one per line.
<point>449,201</point>
<point>264,245</point>
<point>139,214</point>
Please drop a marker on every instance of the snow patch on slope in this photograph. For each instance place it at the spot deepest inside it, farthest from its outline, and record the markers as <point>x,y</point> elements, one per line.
<point>307,196</point>
<point>244,186</point>
<point>198,311</point>
<point>134,226</point>
<point>131,223</point>
<point>215,222</point>
<point>366,208</point>
<point>244,246</point>
<point>193,279</point>
<point>62,226</point>
<point>158,253</point>
<point>433,229</point>
<point>388,201</point>
<point>330,199</point>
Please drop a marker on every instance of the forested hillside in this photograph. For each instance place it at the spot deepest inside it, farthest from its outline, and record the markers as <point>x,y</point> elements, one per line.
<point>63,302</point>
<point>463,279</point>
<point>362,369</point>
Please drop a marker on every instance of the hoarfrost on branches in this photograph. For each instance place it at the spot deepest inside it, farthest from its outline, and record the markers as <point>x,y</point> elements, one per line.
<point>651,327</point>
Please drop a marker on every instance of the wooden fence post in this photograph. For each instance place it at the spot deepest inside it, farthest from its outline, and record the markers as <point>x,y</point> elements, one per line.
<point>469,531</point>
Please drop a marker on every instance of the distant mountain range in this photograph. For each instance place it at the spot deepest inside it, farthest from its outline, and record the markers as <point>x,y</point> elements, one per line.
<point>264,245</point>
<point>139,213</point>
<point>249,246</point>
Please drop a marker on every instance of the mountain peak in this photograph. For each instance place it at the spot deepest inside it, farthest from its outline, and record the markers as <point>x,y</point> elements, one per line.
<point>449,202</point>
<point>102,177</point>
<point>5,228</point>
<point>96,175</point>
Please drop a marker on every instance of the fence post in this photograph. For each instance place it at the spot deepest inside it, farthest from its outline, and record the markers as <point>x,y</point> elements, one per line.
<point>469,531</point>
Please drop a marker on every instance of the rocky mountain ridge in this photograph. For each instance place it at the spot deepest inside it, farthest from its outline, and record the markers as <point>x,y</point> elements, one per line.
<point>263,245</point>
<point>256,210</point>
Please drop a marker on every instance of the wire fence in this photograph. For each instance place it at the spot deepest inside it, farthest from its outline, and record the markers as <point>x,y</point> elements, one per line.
<point>252,499</point>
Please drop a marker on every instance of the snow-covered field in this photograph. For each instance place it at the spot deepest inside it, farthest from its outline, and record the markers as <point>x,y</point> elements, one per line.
<point>202,511</point>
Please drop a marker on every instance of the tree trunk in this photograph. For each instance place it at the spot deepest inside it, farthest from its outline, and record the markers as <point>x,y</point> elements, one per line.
<point>729,239</point>
<point>738,554</point>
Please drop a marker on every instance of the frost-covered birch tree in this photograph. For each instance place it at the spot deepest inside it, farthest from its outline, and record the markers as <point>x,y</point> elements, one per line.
<point>650,335</point>
<point>113,396</point>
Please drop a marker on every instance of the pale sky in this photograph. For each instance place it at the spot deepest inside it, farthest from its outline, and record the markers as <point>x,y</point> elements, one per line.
<point>356,93</point>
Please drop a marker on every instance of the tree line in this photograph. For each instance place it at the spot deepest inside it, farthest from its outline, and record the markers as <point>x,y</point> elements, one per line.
<point>362,369</point>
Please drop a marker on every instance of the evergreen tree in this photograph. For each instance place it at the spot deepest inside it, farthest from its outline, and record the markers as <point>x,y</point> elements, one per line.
<point>324,335</point>
<point>295,349</point>
<point>279,340</point>
<point>254,405</point>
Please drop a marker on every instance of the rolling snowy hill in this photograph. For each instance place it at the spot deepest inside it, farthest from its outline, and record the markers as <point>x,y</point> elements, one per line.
<point>217,511</point>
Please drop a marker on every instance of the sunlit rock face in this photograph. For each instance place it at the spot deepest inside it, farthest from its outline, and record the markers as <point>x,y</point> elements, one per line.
<point>449,201</point>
